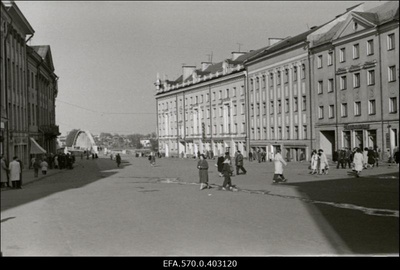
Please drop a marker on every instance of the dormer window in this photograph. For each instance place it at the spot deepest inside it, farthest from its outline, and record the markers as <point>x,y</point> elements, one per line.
<point>355,26</point>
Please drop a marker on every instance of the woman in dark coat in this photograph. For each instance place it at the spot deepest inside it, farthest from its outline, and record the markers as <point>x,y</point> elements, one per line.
<point>220,164</point>
<point>202,165</point>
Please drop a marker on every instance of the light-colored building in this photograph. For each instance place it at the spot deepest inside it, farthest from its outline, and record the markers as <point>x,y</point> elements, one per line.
<point>355,81</point>
<point>279,99</point>
<point>204,109</point>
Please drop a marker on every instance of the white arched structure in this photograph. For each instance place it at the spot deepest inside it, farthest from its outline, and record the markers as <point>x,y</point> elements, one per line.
<point>83,140</point>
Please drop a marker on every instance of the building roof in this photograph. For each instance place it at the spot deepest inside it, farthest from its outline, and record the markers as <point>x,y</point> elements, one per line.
<point>386,12</point>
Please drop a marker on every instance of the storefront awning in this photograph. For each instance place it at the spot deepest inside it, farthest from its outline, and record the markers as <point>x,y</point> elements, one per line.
<point>36,148</point>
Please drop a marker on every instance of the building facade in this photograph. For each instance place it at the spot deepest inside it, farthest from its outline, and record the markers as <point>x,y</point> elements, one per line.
<point>279,99</point>
<point>42,91</point>
<point>21,91</point>
<point>204,110</point>
<point>355,82</point>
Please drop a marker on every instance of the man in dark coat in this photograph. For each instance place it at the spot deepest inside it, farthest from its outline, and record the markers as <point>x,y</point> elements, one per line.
<point>239,163</point>
<point>220,164</point>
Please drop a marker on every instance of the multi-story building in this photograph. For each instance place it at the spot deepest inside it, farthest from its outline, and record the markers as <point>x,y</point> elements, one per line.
<point>42,92</point>
<point>204,109</point>
<point>28,89</point>
<point>279,112</point>
<point>355,81</point>
<point>15,29</point>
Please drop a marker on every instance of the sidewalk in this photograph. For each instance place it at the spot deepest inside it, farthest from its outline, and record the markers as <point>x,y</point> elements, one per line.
<point>28,176</point>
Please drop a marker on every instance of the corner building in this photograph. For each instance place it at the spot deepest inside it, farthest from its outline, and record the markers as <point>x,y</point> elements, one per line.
<point>355,81</point>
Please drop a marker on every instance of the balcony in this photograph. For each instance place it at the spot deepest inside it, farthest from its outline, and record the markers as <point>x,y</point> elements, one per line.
<point>50,130</point>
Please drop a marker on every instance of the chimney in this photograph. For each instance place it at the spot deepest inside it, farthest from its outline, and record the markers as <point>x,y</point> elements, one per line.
<point>187,71</point>
<point>205,65</point>
<point>235,55</point>
<point>272,41</point>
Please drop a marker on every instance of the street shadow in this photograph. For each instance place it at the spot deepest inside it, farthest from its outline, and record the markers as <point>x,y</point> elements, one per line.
<point>84,173</point>
<point>361,232</point>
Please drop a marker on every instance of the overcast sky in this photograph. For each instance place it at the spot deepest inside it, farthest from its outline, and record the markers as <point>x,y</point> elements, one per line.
<point>107,53</point>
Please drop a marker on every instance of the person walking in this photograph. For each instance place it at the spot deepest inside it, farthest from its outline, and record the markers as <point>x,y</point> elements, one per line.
<point>279,162</point>
<point>202,165</point>
<point>365,158</point>
<point>239,163</point>
<point>358,161</point>
<point>36,167</point>
<point>250,156</point>
<point>371,157</point>
<point>118,159</point>
<point>397,157</point>
<point>15,173</point>
<point>4,172</point>
<point>324,166</point>
<point>220,164</point>
<point>56,162</point>
<point>376,155</point>
<point>314,162</point>
<point>152,159</point>
<point>226,171</point>
<point>43,166</point>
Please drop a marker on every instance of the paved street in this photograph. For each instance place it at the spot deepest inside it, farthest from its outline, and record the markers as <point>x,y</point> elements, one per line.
<point>138,210</point>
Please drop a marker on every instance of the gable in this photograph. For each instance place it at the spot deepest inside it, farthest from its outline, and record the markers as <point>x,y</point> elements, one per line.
<point>357,22</point>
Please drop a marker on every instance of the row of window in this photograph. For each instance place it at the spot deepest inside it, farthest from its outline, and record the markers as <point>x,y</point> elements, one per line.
<point>255,83</point>
<point>279,135</point>
<point>357,79</point>
<point>357,108</point>
<point>370,47</point>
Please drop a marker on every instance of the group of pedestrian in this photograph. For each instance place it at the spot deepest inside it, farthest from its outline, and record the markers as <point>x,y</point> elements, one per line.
<point>319,162</point>
<point>11,173</point>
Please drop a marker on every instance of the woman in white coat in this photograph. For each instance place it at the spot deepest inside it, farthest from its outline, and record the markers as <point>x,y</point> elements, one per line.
<point>15,171</point>
<point>314,162</point>
<point>279,162</point>
<point>358,161</point>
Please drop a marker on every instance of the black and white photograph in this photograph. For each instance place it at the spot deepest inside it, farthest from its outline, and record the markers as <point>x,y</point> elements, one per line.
<point>200,134</point>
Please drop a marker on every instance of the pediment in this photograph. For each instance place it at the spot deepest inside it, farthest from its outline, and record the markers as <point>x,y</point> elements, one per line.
<point>357,22</point>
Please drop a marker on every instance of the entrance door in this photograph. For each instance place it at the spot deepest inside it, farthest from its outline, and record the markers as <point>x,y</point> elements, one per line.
<point>359,139</point>
<point>372,138</point>
<point>327,142</point>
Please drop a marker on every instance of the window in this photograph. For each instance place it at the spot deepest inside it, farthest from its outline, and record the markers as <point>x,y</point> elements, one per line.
<point>271,108</point>
<point>214,112</point>
<point>278,79</point>
<point>357,108</point>
<point>286,75</point>
<point>227,93</point>
<point>220,94</point>
<point>372,106</point>
<point>319,61</point>
<point>242,90</point>
<point>342,55</point>
<point>295,73</point>
<point>287,105</point>
<point>242,108</point>
<point>271,79</point>
<point>392,74</point>
<point>280,133</point>
<point>320,112</point>
<point>263,82</point>
<point>370,47</point>
<point>356,80</point>
<point>356,51</point>
<point>371,77</point>
<point>390,42</point>
<point>330,58</point>
<point>303,71</point>
<point>355,26</point>
<point>331,111</point>
<point>305,132</point>
<point>330,85</point>
<point>213,96</point>
<point>234,109</point>
<point>295,104</point>
<point>320,87</point>
<point>234,92</point>
<point>264,108</point>
<point>343,82</point>
<point>304,103</point>
<point>343,111</point>
<point>287,132</point>
<point>393,105</point>
<point>279,106</point>
<point>296,132</point>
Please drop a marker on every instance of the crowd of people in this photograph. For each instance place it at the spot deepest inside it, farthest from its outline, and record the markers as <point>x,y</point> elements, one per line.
<point>11,173</point>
